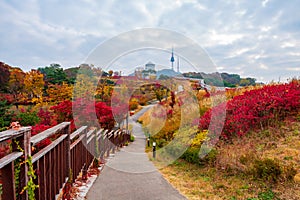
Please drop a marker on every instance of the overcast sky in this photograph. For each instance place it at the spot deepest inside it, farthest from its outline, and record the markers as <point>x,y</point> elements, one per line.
<point>254,38</point>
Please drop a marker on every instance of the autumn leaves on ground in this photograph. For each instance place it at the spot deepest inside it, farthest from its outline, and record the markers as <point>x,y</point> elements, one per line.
<point>257,156</point>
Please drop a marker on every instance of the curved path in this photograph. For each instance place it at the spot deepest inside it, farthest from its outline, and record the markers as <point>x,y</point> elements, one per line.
<point>130,175</point>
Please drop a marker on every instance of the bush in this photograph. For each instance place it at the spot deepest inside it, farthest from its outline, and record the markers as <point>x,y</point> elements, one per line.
<point>254,109</point>
<point>210,158</point>
<point>267,170</point>
<point>28,118</point>
<point>289,172</point>
<point>5,115</point>
<point>160,142</point>
<point>2,122</point>
<point>191,155</point>
<point>142,100</point>
<point>131,138</point>
<point>3,129</point>
<point>268,195</point>
<point>133,105</point>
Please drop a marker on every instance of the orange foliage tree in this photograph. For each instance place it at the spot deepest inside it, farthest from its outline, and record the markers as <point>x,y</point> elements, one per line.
<point>59,93</point>
<point>16,84</point>
<point>33,86</point>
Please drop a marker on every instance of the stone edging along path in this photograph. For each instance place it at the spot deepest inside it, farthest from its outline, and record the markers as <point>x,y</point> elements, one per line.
<point>130,175</point>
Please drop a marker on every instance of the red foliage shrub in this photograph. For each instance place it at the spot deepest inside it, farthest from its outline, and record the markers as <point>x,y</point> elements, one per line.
<point>63,111</point>
<point>105,115</point>
<point>38,129</point>
<point>170,113</point>
<point>46,118</point>
<point>8,97</point>
<point>255,109</point>
<point>4,148</point>
<point>86,113</point>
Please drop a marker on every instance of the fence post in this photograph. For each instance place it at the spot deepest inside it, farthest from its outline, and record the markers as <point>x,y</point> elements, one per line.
<point>102,146</point>
<point>113,141</point>
<point>24,143</point>
<point>108,143</point>
<point>8,185</point>
<point>67,131</point>
<point>85,147</point>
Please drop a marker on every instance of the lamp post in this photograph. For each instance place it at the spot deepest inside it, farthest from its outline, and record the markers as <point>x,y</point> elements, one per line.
<point>148,140</point>
<point>154,149</point>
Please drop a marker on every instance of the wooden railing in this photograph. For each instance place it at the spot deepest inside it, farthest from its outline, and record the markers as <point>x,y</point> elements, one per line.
<point>69,152</point>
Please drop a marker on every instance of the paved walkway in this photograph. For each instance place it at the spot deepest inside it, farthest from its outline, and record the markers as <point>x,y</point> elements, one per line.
<point>130,175</point>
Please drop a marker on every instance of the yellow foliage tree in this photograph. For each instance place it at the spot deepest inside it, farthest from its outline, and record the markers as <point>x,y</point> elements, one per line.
<point>58,93</point>
<point>16,84</point>
<point>85,86</point>
<point>33,86</point>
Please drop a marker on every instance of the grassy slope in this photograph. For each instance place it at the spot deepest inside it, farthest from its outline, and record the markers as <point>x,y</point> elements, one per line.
<point>224,180</point>
<point>230,176</point>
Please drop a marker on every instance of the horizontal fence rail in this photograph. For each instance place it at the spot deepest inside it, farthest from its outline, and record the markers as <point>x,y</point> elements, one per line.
<point>57,163</point>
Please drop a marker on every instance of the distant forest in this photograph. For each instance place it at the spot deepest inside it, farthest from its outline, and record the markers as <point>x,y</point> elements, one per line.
<point>55,74</point>
<point>222,79</point>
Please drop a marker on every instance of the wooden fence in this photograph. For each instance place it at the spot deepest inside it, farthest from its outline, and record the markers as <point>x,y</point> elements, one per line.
<point>68,152</point>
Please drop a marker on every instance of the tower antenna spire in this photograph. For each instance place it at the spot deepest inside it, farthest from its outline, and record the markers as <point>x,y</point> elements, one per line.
<point>172,59</point>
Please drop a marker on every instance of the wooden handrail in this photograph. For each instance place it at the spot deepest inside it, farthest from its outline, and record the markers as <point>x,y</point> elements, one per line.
<point>48,148</point>
<point>78,132</point>
<point>10,134</point>
<point>9,158</point>
<point>49,132</point>
<point>70,151</point>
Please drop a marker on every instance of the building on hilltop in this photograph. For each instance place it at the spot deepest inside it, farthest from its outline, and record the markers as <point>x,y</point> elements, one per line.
<point>150,66</point>
<point>146,72</point>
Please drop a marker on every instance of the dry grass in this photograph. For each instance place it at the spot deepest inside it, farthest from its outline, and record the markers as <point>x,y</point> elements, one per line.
<point>206,183</point>
<point>228,179</point>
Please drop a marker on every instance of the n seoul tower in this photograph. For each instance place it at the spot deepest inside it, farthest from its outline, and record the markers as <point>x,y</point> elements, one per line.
<point>172,59</point>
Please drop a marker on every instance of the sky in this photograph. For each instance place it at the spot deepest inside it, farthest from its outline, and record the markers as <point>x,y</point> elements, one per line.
<point>257,38</point>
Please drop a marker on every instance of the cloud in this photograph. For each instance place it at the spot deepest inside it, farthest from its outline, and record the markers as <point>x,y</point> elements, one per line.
<point>257,38</point>
<point>294,69</point>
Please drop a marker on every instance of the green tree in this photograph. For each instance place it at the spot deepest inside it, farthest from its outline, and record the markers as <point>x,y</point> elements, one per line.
<point>244,82</point>
<point>71,74</point>
<point>53,74</point>
<point>5,115</point>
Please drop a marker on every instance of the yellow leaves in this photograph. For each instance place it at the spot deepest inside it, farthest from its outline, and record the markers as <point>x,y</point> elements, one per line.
<point>85,86</point>
<point>200,137</point>
<point>15,83</point>
<point>58,93</point>
<point>104,91</point>
<point>186,135</point>
<point>33,86</point>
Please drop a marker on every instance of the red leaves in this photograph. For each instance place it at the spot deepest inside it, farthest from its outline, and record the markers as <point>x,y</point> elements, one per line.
<point>104,115</point>
<point>254,109</point>
<point>38,129</point>
<point>63,111</point>
<point>85,112</point>
<point>46,118</point>
<point>8,97</point>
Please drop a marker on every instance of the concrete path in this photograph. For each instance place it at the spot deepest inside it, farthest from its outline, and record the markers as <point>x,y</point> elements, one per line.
<point>130,175</point>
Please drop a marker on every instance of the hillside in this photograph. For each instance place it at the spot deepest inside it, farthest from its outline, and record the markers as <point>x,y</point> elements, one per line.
<point>256,155</point>
<point>222,79</point>
<point>261,166</point>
